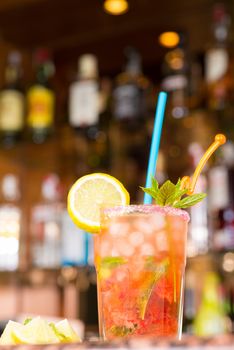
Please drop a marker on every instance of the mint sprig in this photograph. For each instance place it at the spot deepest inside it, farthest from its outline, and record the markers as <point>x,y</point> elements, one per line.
<point>169,194</point>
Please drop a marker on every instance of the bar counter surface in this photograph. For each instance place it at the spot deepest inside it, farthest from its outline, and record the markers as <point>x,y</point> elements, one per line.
<point>224,342</point>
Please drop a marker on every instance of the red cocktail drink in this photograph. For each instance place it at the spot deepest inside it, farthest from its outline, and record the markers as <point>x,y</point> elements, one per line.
<point>140,257</point>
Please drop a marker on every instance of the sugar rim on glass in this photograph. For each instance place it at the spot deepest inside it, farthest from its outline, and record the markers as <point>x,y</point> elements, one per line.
<point>145,209</point>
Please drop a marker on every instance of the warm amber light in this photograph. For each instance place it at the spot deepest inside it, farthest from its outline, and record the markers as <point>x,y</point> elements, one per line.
<point>169,39</point>
<point>175,59</point>
<point>116,7</point>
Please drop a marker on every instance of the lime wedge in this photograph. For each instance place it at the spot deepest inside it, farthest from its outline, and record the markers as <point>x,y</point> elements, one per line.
<point>65,332</point>
<point>37,331</point>
<point>7,337</point>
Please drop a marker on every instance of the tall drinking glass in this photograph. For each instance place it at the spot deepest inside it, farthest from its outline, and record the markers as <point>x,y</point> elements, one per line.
<point>140,261</point>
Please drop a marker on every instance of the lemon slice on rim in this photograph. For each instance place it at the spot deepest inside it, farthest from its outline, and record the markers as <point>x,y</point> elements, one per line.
<point>89,194</point>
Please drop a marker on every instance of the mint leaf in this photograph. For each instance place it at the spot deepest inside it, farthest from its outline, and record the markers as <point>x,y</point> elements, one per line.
<point>190,200</point>
<point>150,191</point>
<point>155,184</point>
<point>165,192</point>
<point>27,320</point>
<point>158,270</point>
<point>122,331</point>
<point>108,264</point>
<point>175,197</point>
<point>111,262</point>
<point>178,184</point>
<point>156,267</point>
<point>170,194</point>
<point>176,194</point>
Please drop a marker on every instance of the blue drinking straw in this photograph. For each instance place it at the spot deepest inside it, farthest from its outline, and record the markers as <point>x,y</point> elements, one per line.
<point>155,142</point>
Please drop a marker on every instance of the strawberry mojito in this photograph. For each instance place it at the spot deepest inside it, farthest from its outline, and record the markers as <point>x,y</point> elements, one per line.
<point>139,250</point>
<point>140,262</point>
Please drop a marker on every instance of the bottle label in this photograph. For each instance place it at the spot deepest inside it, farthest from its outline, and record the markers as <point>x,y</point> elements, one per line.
<point>127,102</point>
<point>219,191</point>
<point>74,242</point>
<point>84,104</point>
<point>10,227</point>
<point>45,231</point>
<point>40,107</point>
<point>11,110</point>
<point>216,64</point>
<point>175,82</point>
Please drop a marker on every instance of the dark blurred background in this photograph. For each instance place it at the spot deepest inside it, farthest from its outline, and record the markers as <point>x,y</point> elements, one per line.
<point>79,87</point>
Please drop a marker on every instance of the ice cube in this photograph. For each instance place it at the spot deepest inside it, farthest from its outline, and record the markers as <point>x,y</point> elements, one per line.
<point>121,275</point>
<point>177,223</point>
<point>143,225</point>
<point>157,221</point>
<point>161,241</point>
<point>147,249</point>
<point>105,248</point>
<point>136,238</point>
<point>114,252</point>
<point>118,229</point>
<point>125,248</point>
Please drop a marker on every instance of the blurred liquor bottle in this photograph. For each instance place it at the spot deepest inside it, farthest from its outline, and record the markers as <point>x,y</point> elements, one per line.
<point>87,103</point>
<point>190,300</point>
<point>187,120</point>
<point>228,267</point>
<point>176,82</point>
<point>84,96</point>
<point>45,225</point>
<point>198,234</point>
<point>104,144</point>
<point>210,319</point>
<point>130,93</point>
<point>131,109</point>
<point>90,257</point>
<point>175,78</point>
<point>74,243</point>
<point>196,87</point>
<point>12,102</point>
<point>41,99</point>
<point>221,197</point>
<point>10,223</point>
<point>217,60</point>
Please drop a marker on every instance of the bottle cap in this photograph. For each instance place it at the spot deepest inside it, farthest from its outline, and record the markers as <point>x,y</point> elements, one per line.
<point>87,66</point>
<point>221,22</point>
<point>219,12</point>
<point>10,187</point>
<point>41,55</point>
